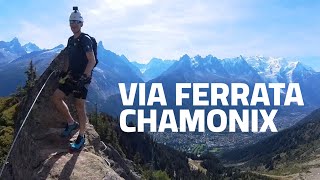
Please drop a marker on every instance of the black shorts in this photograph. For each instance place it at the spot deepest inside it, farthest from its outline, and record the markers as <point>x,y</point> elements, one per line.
<point>69,87</point>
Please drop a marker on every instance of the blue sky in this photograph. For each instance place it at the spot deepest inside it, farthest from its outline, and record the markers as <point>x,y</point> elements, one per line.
<point>167,29</point>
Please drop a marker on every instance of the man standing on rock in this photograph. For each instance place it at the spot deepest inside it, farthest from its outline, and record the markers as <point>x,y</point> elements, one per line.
<point>76,78</point>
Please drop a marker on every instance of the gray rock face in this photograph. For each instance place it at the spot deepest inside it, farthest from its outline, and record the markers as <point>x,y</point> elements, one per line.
<point>40,152</point>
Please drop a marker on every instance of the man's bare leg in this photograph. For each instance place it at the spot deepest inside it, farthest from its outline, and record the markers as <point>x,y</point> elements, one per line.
<point>62,107</point>
<point>80,106</point>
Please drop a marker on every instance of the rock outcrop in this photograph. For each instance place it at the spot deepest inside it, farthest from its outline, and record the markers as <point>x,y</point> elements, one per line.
<point>40,152</point>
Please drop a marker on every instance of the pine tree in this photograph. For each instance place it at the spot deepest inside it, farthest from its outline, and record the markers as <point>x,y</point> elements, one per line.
<point>137,158</point>
<point>30,82</point>
<point>31,76</point>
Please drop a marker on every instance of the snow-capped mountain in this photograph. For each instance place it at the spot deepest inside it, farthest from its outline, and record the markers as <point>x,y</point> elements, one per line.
<point>239,69</point>
<point>41,59</point>
<point>13,46</point>
<point>246,70</point>
<point>154,68</point>
<point>30,47</point>
<point>10,50</point>
<point>111,70</point>
<point>212,69</point>
<point>279,69</point>
<point>13,71</point>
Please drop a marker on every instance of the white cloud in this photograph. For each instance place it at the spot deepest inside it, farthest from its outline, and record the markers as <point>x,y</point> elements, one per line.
<point>44,37</point>
<point>142,29</point>
<point>122,4</point>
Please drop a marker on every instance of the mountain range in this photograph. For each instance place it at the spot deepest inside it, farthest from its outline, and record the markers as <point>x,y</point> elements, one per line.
<point>30,47</point>
<point>113,69</point>
<point>293,145</point>
<point>40,152</point>
<point>10,50</point>
<point>153,68</point>
<point>12,72</point>
<point>248,70</point>
<point>106,75</point>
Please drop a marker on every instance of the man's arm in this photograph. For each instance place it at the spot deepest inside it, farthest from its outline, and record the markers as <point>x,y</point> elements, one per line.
<point>91,63</point>
<point>87,47</point>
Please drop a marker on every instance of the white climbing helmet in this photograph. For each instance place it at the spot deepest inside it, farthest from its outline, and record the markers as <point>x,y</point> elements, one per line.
<point>76,15</point>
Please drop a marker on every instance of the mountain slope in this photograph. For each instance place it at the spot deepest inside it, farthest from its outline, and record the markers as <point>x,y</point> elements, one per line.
<point>279,69</point>
<point>238,68</point>
<point>154,68</point>
<point>196,69</point>
<point>235,70</point>
<point>288,151</point>
<point>13,46</point>
<point>13,72</point>
<point>111,70</point>
<point>40,152</point>
<point>30,47</point>
<point>10,50</point>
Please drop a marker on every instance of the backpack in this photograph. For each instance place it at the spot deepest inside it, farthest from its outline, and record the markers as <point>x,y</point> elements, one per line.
<point>94,46</point>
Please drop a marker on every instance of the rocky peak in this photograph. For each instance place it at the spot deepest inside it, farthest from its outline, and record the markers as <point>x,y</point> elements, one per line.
<point>15,41</point>
<point>13,46</point>
<point>40,152</point>
<point>100,45</point>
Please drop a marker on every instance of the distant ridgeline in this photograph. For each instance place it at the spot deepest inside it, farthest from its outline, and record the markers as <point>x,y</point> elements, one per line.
<point>255,104</point>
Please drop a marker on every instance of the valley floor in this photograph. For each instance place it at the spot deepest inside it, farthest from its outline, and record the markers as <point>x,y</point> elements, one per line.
<point>311,174</point>
<point>308,171</point>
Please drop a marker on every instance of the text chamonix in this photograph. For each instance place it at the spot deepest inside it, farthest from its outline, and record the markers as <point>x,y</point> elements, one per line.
<point>200,119</point>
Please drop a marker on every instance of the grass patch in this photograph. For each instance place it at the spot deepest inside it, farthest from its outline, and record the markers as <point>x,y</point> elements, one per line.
<point>196,165</point>
<point>9,113</point>
<point>4,102</point>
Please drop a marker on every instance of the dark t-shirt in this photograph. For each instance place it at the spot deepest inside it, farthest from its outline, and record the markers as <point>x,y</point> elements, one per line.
<point>77,53</point>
